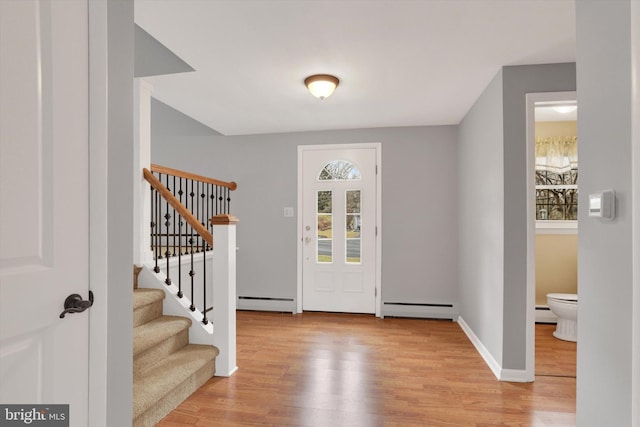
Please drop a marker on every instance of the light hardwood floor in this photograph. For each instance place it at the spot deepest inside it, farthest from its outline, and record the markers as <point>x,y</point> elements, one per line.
<point>320,369</point>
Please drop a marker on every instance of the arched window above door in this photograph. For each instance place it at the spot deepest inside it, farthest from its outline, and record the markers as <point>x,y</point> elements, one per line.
<point>339,170</point>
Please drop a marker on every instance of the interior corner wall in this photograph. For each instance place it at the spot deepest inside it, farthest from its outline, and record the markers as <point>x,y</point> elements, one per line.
<point>517,82</point>
<point>419,201</point>
<point>480,200</point>
<point>492,199</point>
<point>605,249</point>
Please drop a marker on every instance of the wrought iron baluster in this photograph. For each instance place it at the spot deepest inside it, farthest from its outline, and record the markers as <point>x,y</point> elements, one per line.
<point>221,199</point>
<point>180,224</point>
<point>158,229</point>
<point>154,230</point>
<point>173,237</point>
<point>212,204</point>
<point>191,272</point>
<point>214,199</point>
<point>206,219</point>
<point>167,225</point>
<point>191,195</point>
<point>204,284</point>
<point>196,214</point>
<point>201,215</point>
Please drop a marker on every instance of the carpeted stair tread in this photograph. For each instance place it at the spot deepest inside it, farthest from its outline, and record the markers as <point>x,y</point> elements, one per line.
<point>142,296</point>
<point>170,373</point>
<point>147,305</point>
<point>156,331</point>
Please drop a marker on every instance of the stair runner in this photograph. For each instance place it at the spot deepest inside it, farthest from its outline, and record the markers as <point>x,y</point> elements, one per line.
<point>166,368</point>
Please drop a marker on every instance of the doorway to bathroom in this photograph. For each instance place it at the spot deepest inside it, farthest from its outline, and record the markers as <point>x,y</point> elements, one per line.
<point>552,233</point>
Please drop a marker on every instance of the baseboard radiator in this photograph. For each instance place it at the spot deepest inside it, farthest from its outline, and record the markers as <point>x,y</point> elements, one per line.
<point>285,305</point>
<point>544,315</point>
<point>420,310</point>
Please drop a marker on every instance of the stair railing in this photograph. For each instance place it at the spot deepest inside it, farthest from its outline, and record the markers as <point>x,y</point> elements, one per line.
<point>185,202</point>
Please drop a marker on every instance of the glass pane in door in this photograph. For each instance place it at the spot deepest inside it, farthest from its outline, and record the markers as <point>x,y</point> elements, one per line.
<point>324,233</point>
<point>353,222</point>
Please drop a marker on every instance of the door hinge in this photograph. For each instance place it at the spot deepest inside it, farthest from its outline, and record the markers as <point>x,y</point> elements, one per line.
<point>376,231</point>
<point>376,291</point>
<point>376,169</point>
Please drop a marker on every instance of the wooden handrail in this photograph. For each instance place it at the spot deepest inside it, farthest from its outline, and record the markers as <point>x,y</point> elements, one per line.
<point>188,175</point>
<point>224,219</point>
<point>179,207</point>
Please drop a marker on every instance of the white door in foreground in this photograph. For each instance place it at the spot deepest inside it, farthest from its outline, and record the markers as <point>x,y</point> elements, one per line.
<point>44,240</point>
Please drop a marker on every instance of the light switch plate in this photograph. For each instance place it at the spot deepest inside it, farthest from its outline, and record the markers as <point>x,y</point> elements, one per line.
<point>288,212</point>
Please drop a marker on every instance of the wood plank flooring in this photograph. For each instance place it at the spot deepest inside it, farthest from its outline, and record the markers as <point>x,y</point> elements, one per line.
<point>554,357</point>
<point>320,369</point>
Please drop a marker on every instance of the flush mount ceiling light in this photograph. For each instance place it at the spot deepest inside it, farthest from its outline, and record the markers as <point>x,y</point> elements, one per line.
<point>565,109</point>
<point>321,85</point>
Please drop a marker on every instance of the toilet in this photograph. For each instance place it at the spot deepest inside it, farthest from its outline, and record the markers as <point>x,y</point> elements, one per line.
<point>565,306</point>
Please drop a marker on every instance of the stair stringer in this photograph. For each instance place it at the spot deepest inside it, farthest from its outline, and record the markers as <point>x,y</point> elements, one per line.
<point>199,333</point>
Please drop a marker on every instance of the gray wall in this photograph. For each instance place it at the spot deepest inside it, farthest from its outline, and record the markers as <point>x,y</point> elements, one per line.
<point>605,258</point>
<point>419,213</point>
<point>517,82</point>
<point>495,131</point>
<point>119,375</point>
<point>481,202</point>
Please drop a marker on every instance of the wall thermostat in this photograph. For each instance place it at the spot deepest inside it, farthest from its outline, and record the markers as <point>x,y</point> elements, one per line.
<point>602,204</point>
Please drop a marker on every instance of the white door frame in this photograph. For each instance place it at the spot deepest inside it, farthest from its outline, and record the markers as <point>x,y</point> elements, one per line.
<point>532,98</point>
<point>378,270</point>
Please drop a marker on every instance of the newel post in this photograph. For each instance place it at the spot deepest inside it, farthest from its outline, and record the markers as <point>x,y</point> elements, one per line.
<point>224,293</point>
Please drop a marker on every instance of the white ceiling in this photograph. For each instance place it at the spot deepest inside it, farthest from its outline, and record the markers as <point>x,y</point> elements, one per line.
<point>400,63</point>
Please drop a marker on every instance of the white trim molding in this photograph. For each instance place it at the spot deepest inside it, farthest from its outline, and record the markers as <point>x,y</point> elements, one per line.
<point>530,339</point>
<point>491,362</point>
<point>378,147</point>
<point>556,227</point>
<point>509,375</point>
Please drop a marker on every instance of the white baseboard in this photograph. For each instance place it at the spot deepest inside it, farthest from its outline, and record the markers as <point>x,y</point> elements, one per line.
<point>514,376</point>
<point>510,375</point>
<point>285,305</point>
<point>486,355</point>
<point>423,311</point>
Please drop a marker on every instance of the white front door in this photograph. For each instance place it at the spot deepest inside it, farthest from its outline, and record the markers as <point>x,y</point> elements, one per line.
<point>339,202</point>
<point>44,241</point>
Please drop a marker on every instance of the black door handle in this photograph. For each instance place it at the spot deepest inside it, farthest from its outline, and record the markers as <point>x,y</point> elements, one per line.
<point>75,304</point>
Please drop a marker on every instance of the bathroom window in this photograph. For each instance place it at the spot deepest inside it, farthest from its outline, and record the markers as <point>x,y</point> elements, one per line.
<point>557,178</point>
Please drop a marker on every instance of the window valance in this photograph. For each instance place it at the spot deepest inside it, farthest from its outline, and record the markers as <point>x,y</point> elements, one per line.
<point>557,154</point>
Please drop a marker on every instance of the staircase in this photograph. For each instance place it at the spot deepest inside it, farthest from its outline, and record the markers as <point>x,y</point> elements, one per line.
<point>166,368</point>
